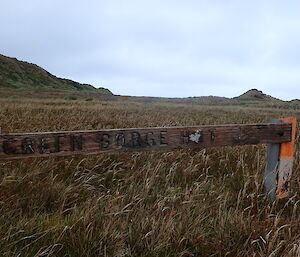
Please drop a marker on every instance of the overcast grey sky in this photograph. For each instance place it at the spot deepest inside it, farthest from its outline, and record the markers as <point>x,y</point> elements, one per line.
<point>160,48</point>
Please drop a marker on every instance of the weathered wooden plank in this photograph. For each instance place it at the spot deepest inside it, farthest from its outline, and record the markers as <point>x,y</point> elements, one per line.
<point>24,145</point>
<point>286,159</point>
<point>270,177</point>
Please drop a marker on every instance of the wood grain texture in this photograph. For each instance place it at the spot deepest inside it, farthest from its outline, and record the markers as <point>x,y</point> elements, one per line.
<point>43,144</point>
<point>270,176</point>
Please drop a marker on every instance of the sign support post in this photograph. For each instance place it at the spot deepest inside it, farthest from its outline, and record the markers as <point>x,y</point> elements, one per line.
<point>277,179</point>
<point>285,166</point>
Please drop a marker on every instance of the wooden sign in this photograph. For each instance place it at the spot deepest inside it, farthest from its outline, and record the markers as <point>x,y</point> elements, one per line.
<point>43,144</point>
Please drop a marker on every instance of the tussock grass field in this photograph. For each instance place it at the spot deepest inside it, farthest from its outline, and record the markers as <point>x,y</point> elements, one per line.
<point>178,203</point>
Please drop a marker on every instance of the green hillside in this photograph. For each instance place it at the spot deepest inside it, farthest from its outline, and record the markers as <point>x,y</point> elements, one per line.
<point>22,75</point>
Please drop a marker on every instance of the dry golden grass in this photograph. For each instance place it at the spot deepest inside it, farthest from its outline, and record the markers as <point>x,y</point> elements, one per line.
<point>178,203</point>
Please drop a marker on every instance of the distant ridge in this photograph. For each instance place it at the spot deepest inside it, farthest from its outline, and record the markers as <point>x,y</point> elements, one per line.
<point>17,74</point>
<point>297,101</point>
<point>256,95</point>
<point>23,78</point>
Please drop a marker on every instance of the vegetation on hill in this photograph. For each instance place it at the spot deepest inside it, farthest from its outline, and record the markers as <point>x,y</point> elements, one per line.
<point>23,75</point>
<point>22,79</point>
<point>256,95</point>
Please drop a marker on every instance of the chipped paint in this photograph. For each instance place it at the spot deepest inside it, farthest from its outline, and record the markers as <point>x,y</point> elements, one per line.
<point>196,136</point>
<point>284,176</point>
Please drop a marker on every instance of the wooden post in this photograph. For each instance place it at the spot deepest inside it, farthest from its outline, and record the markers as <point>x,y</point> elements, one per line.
<point>279,165</point>
<point>286,162</point>
<point>270,178</point>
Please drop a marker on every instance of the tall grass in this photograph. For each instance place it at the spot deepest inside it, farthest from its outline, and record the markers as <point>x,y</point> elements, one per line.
<point>177,203</point>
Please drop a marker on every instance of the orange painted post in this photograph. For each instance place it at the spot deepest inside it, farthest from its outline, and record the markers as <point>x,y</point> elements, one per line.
<point>285,164</point>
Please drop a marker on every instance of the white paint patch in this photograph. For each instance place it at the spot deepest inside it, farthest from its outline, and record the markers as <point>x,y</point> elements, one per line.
<point>196,136</point>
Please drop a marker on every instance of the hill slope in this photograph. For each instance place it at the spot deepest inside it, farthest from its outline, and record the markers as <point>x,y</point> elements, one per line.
<point>19,74</point>
<point>256,95</point>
